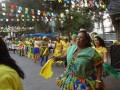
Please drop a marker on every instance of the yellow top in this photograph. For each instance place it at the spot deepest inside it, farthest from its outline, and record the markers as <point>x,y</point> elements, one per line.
<point>101,50</point>
<point>27,43</point>
<point>58,47</point>
<point>9,79</point>
<point>65,46</point>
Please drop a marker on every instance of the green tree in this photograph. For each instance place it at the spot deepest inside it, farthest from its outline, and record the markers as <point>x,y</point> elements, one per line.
<point>78,20</point>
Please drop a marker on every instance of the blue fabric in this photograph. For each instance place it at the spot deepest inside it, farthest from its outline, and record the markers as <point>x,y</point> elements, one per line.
<point>26,48</point>
<point>36,50</point>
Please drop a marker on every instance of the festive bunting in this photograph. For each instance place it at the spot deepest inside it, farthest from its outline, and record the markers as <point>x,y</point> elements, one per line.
<point>11,10</point>
<point>48,14</point>
<point>96,4</point>
<point>17,15</point>
<point>3,14</point>
<point>38,12</point>
<point>22,16</point>
<point>68,1</point>
<point>13,7</point>
<point>86,4</point>
<point>23,19</point>
<point>33,20</point>
<point>28,16</point>
<point>38,19</point>
<point>28,19</point>
<point>91,3</point>
<point>26,9</point>
<point>3,6</point>
<point>32,11</point>
<point>44,13</point>
<point>19,9</point>
<point>26,12</point>
<point>11,14</point>
<point>18,19</point>
<point>7,20</point>
<point>33,16</point>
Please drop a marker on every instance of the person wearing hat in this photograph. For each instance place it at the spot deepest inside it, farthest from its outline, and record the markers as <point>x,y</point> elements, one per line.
<point>58,48</point>
<point>73,41</point>
<point>44,52</point>
<point>66,45</point>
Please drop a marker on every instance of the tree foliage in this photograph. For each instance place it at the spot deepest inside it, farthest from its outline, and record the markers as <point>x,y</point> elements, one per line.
<point>78,20</point>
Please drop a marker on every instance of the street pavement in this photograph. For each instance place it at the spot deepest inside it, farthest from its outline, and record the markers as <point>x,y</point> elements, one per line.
<point>34,81</point>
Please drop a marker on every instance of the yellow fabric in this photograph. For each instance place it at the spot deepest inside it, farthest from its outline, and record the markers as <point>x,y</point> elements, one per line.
<point>46,70</point>
<point>44,53</point>
<point>101,50</point>
<point>57,55</point>
<point>21,45</point>
<point>27,42</point>
<point>66,46</point>
<point>9,79</point>
<point>58,47</point>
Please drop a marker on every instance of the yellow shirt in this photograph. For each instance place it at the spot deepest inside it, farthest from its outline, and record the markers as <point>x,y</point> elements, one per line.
<point>101,50</point>
<point>27,43</point>
<point>65,46</point>
<point>9,79</point>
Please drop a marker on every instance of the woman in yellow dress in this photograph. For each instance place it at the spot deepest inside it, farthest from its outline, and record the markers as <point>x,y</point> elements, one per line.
<point>58,46</point>
<point>21,47</point>
<point>66,45</point>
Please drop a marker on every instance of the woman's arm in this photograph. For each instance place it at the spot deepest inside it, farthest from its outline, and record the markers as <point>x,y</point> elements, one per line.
<point>105,57</point>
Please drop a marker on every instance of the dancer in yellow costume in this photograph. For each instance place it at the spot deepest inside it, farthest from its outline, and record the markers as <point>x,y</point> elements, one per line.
<point>58,48</point>
<point>29,54</point>
<point>44,50</point>
<point>27,46</point>
<point>66,45</point>
<point>21,47</point>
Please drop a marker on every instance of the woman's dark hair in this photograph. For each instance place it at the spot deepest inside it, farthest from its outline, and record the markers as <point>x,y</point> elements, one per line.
<point>6,59</point>
<point>102,43</point>
<point>87,36</point>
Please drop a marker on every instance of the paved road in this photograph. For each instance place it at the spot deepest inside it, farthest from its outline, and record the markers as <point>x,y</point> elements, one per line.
<point>35,82</point>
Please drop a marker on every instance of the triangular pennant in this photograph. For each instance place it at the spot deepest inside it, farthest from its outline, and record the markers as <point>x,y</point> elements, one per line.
<point>12,7</point>
<point>17,15</point>
<point>3,6</point>
<point>28,16</point>
<point>38,12</point>
<point>26,9</point>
